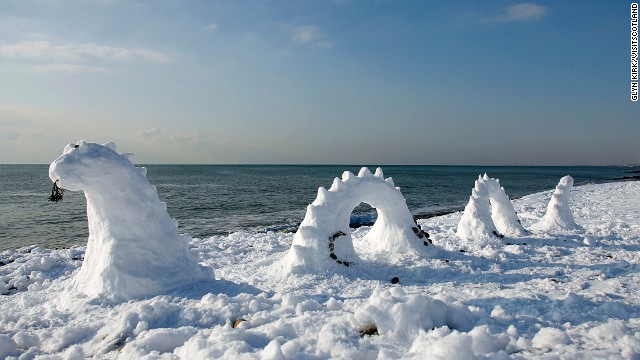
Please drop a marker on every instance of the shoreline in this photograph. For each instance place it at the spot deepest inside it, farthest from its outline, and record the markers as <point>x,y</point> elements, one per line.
<point>292,228</point>
<point>585,278</point>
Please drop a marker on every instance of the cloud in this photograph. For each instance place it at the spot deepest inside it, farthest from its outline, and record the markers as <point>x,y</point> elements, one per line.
<point>69,68</point>
<point>522,12</point>
<point>212,27</point>
<point>150,134</point>
<point>310,34</point>
<point>42,50</point>
<point>20,115</point>
<point>525,12</point>
<point>189,138</point>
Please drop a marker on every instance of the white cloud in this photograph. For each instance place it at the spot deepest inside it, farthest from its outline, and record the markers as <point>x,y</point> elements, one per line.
<point>212,27</point>
<point>150,134</point>
<point>69,68</point>
<point>43,50</point>
<point>310,34</point>
<point>20,115</point>
<point>189,138</point>
<point>523,12</point>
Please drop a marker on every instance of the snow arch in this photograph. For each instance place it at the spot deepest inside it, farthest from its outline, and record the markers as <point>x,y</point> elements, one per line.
<point>134,247</point>
<point>489,213</point>
<point>324,239</point>
<point>558,215</point>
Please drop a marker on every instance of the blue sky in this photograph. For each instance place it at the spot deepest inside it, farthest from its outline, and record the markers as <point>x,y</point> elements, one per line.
<point>320,82</point>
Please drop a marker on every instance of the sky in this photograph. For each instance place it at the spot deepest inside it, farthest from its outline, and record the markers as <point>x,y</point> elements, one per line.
<point>320,81</point>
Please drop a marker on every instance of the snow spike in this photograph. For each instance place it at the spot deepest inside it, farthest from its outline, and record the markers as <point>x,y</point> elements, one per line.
<point>379,173</point>
<point>312,209</point>
<point>476,187</point>
<point>111,145</point>
<point>322,194</point>
<point>143,171</point>
<point>305,231</point>
<point>485,177</point>
<point>347,175</point>
<point>389,180</point>
<point>154,188</point>
<point>129,156</point>
<point>364,172</point>
<point>336,186</point>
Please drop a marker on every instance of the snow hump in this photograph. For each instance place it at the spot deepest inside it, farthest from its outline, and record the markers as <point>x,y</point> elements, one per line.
<point>489,213</point>
<point>134,248</point>
<point>559,215</point>
<point>324,241</point>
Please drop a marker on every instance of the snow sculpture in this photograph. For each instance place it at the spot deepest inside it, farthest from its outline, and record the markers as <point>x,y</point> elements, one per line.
<point>503,214</point>
<point>324,239</point>
<point>134,247</point>
<point>559,216</point>
<point>476,221</point>
<point>489,212</point>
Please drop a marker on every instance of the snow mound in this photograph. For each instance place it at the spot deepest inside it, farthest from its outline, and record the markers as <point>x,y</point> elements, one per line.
<point>488,214</point>
<point>559,216</point>
<point>134,248</point>
<point>324,240</point>
<point>394,312</point>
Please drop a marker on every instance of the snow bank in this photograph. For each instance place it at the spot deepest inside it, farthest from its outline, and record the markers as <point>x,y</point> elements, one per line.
<point>559,216</point>
<point>480,343</point>
<point>323,240</point>
<point>134,247</point>
<point>393,311</point>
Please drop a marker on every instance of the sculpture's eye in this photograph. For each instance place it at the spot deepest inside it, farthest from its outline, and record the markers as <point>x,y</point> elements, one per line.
<point>77,146</point>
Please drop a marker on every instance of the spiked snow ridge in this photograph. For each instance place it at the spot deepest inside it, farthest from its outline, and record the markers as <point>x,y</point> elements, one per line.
<point>502,212</point>
<point>489,213</point>
<point>123,259</point>
<point>476,222</point>
<point>559,216</point>
<point>324,241</point>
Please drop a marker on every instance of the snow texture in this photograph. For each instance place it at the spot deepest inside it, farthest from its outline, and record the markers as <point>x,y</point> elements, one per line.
<point>559,216</point>
<point>488,215</point>
<point>134,248</point>
<point>323,241</point>
<point>476,222</point>
<point>550,295</point>
<point>503,215</point>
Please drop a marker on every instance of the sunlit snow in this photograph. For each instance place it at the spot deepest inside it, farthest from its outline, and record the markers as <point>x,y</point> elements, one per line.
<point>553,292</point>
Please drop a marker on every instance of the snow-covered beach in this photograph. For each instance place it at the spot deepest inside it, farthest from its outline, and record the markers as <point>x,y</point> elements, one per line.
<point>319,180</point>
<point>565,294</point>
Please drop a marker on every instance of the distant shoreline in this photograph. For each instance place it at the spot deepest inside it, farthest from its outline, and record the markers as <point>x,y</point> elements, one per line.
<point>626,178</point>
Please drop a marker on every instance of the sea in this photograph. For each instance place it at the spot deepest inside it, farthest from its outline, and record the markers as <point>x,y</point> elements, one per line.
<point>209,200</point>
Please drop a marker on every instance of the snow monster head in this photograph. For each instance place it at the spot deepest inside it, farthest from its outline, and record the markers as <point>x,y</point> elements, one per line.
<point>87,166</point>
<point>134,248</point>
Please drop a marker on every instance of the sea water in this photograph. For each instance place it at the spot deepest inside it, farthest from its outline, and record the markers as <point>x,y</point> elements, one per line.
<point>221,199</point>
